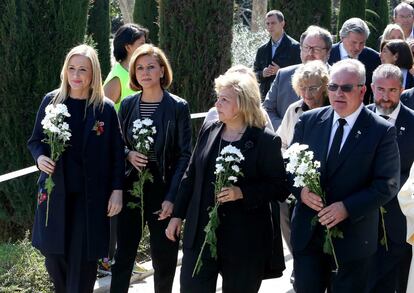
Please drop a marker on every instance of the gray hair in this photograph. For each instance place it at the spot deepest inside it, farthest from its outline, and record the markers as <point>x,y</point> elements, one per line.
<point>315,30</point>
<point>350,65</point>
<point>401,6</point>
<point>389,71</point>
<point>312,69</point>
<point>354,25</point>
<point>279,15</point>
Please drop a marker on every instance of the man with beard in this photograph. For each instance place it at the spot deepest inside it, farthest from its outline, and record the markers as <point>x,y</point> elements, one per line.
<point>392,259</point>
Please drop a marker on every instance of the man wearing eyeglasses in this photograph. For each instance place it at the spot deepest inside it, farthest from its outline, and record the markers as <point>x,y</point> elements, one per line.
<point>280,51</point>
<point>359,170</point>
<point>315,44</point>
<point>353,34</point>
<point>403,15</point>
<point>392,259</point>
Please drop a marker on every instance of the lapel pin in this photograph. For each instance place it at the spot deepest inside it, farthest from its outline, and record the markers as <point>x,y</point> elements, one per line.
<point>402,128</point>
<point>358,134</point>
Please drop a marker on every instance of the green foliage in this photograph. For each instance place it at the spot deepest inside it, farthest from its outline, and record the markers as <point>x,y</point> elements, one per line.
<point>377,18</point>
<point>34,39</point>
<point>99,30</point>
<point>245,44</point>
<point>349,9</point>
<point>302,13</point>
<point>146,14</point>
<point>22,268</point>
<point>197,37</point>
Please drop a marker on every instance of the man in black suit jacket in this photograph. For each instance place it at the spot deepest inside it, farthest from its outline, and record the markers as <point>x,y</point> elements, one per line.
<point>280,51</point>
<point>358,178</point>
<point>407,98</point>
<point>391,267</point>
<point>354,33</point>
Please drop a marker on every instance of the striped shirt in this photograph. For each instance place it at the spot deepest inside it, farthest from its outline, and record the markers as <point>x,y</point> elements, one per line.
<point>146,110</point>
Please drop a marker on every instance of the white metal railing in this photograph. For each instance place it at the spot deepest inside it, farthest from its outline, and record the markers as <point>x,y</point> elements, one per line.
<point>32,169</point>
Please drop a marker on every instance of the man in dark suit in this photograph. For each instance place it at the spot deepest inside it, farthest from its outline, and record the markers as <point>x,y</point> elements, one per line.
<point>280,51</point>
<point>392,262</point>
<point>316,44</point>
<point>353,34</point>
<point>407,98</point>
<point>360,168</point>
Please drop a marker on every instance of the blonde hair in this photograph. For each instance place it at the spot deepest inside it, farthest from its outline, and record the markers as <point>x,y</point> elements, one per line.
<point>388,29</point>
<point>242,69</point>
<point>150,50</point>
<point>96,92</point>
<point>248,96</point>
<point>312,69</point>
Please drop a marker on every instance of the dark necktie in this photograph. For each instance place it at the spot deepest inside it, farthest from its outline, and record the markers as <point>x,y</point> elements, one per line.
<point>336,145</point>
<point>385,117</point>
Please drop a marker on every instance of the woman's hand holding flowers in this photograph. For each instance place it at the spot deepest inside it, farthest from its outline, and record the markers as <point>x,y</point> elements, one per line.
<point>231,193</point>
<point>137,160</point>
<point>311,199</point>
<point>45,164</point>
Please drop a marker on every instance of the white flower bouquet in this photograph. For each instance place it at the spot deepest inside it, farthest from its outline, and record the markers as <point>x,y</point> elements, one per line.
<point>227,171</point>
<point>143,133</point>
<point>305,170</point>
<point>57,134</point>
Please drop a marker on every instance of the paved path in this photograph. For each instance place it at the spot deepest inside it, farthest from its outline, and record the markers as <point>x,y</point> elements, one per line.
<point>280,285</point>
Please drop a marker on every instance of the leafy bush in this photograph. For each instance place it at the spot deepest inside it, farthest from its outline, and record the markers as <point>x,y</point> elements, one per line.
<point>22,268</point>
<point>245,44</point>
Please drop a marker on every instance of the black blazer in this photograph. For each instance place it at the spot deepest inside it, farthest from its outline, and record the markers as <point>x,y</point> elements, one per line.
<point>264,180</point>
<point>369,57</point>
<point>394,218</point>
<point>407,98</point>
<point>104,172</point>
<point>288,53</point>
<point>366,176</point>
<point>409,81</point>
<point>172,141</point>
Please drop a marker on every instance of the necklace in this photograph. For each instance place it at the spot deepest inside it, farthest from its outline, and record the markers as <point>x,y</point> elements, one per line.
<point>234,138</point>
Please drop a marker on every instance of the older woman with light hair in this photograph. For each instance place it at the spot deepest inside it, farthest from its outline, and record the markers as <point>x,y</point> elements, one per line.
<point>212,113</point>
<point>310,82</point>
<point>244,235</point>
<point>392,32</point>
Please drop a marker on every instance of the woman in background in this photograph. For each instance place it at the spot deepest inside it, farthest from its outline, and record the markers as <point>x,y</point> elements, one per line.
<point>88,177</point>
<point>398,52</point>
<point>127,39</point>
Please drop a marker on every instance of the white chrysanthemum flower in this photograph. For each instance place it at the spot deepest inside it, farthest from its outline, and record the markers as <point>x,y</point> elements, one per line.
<point>302,169</point>
<point>235,168</point>
<point>219,168</point>
<point>232,178</point>
<point>298,182</point>
<point>147,122</point>
<point>150,139</point>
<point>229,159</point>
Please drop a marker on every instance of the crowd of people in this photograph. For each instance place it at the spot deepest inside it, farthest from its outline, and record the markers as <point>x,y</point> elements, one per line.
<point>349,104</point>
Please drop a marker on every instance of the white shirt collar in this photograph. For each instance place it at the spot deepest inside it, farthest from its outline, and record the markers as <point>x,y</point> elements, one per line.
<point>350,119</point>
<point>342,51</point>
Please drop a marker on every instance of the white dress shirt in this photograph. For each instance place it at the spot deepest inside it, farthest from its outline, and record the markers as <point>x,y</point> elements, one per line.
<point>350,121</point>
<point>392,118</point>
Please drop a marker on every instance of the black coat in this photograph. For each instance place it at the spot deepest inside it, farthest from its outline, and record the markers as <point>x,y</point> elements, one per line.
<point>172,140</point>
<point>288,53</point>
<point>371,60</point>
<point>103,172</point>
<point>365,177</point>
<point>394,218</point>
<point>264,180</point>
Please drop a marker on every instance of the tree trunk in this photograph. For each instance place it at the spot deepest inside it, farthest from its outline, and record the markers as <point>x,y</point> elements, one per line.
<point>259,9</point>
<point>127,9</point>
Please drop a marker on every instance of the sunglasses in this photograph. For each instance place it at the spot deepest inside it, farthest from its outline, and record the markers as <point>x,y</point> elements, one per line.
<point>346,88</point>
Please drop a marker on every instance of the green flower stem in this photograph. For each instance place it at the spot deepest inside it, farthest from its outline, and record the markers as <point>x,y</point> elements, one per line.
<point>328,233</point>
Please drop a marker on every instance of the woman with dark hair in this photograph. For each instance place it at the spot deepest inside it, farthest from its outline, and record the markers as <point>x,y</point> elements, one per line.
<point>150,73</point>
<point>127,39</point>
<point>71,226</point>
<point>249,244</point>
<point>398,52</point>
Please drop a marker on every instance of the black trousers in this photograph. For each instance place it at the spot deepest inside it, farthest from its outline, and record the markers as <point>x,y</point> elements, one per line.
<point>390,268</point>
<point>313,270</point>
<point>73,272</point>
<point>163,251</point>
<point>242,245</point>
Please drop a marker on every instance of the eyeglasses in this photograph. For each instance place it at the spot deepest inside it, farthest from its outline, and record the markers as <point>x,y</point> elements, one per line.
<point>346,88</point>
<point>311,89</point>
<point>315,49</point>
